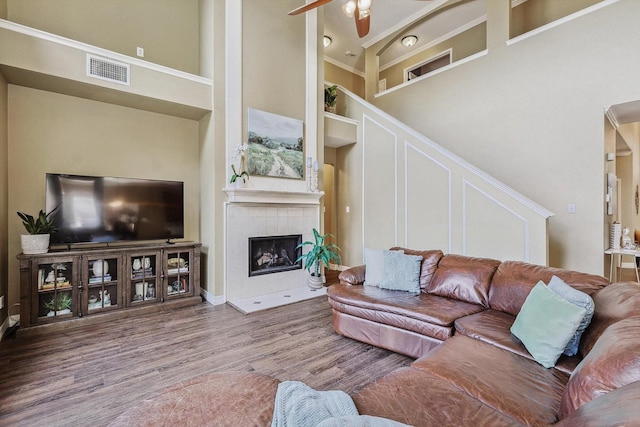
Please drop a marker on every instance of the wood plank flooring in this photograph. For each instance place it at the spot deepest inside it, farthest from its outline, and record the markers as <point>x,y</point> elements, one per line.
<point>88,376</point>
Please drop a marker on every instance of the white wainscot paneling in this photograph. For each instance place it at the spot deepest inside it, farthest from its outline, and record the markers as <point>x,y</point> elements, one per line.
<point>427,201</point>
<point>492,229</point>
<point>380,189</point>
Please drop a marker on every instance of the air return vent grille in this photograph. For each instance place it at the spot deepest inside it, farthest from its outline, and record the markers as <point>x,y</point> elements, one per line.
<point>109,70</point>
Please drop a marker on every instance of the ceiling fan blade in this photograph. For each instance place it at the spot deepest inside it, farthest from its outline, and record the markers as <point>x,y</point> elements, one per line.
<point>362,25</point>
<point>308,6</point>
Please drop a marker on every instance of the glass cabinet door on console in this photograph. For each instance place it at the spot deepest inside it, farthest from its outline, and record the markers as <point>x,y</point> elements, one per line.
<point>102,283</point>
<point>178,273</point>
<point>142,268</point>
<point>55,298</point>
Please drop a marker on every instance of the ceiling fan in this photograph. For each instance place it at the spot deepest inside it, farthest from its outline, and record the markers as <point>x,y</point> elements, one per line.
<point>358,9</point>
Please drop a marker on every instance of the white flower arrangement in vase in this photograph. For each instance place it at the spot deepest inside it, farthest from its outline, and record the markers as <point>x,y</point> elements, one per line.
<point>241,151</point>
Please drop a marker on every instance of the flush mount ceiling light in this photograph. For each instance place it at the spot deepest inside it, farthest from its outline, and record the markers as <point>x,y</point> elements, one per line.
<point>409,41</point>
<point>326,41</point>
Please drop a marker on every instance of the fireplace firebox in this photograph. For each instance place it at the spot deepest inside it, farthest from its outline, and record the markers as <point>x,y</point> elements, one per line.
<point>274,254</point>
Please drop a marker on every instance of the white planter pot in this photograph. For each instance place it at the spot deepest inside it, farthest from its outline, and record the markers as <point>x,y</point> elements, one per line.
<point>35,243</point>
<point>314,282</point>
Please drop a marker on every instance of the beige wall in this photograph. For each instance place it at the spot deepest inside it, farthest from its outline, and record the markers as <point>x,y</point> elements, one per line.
<point>531,114</point>
<point>465,44</point>
<point>166,29</point>
<point>534,13</point>
<point>49,132</point>
<point>347,79</point>
<point>273,59</point>
<point>3,9</point>
<point>4,212</point>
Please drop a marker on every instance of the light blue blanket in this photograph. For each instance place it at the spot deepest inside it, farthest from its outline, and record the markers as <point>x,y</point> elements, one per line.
<point>298,405</point>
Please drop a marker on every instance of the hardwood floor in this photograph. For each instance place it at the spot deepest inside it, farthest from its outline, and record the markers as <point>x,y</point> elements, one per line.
<point>88,376</point>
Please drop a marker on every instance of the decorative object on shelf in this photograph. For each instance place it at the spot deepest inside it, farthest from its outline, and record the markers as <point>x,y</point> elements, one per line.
<point>59,304</point>
<point>241,153</point>
<point>39,229</point>
<point>146,261</point>
<point>616,232</point>
<point>315,176</point>
<point>627,242</point>
<point>137,264</point>
<point>275,145</point>
<point>139,291</point>
<point>330,98</point>
<point>320,254</point>
<point>309,177</point>
<point>92,299</point>
<point>105,297</point>
<point>100,268</point>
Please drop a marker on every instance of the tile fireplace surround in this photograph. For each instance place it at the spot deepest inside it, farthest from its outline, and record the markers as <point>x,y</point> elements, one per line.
<point>262,213</point>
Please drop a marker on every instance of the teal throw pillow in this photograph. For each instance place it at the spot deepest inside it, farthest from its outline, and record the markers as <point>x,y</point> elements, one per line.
<point>401,272</point>
<point>545,324</point>
<point>580,299</point>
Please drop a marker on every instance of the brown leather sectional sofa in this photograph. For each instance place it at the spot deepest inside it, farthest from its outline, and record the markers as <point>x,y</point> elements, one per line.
<point>470,370</point>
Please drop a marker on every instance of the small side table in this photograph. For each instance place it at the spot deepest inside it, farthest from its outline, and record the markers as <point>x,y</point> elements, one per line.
<point>620,253</point>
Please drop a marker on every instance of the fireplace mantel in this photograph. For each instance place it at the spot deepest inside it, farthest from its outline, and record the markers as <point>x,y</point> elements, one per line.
<point>250,195</point>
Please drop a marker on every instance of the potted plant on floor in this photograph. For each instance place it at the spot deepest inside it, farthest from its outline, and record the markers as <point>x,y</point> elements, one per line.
<point>39,229</point>
<point>321,253</point>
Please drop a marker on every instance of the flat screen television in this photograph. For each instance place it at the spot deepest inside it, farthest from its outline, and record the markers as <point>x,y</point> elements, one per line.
<point>98,209</point>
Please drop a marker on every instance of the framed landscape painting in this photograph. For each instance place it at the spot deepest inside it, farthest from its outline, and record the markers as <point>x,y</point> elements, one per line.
<point>276,145</point>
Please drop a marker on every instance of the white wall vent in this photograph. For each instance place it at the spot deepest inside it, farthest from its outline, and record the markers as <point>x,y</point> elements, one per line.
<point>106,69</point>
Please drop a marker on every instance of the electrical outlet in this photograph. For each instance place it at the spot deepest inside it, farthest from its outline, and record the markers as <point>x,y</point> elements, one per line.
<point>571,208</point>
<point>140,52</point>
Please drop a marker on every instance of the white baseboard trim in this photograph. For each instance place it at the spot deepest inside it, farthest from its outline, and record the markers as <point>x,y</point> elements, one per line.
<point>338,267</point>
<point>212,299</point>
<point>628,265</point>
<point>8,322</point>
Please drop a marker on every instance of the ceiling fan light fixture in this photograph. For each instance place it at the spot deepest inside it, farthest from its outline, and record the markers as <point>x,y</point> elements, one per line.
<point>349,8</point>
<point>409,41</point>
<point>364,5</point>
<point>363,13</point>
<point>326,41</point>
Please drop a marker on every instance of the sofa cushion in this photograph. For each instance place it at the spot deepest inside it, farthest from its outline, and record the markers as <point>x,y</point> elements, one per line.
<point>374,263</point>
<point>613,362</point>
<point>546,323</point>
<point>619,407</point>
<point>464,278</point>
<point>514,280</point>
<point>418,398</point>
<point>493,327</point>
<point>430,260</point>
<point>580,299</point>
<point>615,302</point>
<point>424,307</point>
<point>401,272</point>
<point>513,385</point>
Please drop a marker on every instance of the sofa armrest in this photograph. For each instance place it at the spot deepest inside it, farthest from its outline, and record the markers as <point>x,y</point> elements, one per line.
<point>353,275</point>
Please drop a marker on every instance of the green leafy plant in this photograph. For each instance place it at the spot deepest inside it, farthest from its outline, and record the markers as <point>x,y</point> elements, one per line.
<point>42,224</point>
<point>320,253</point>
<point>237,175</point>
<point>60,302</point>
<point>330,96</point>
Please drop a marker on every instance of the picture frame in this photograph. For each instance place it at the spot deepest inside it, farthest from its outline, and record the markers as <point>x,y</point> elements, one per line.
<point>276,145</point>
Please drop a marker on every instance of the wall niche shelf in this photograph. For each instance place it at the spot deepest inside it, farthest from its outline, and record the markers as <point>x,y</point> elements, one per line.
<point>339,131</point>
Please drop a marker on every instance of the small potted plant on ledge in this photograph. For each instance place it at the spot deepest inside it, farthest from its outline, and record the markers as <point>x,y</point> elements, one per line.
<point>39,229</point>
<point>321,253</point>
<point>330,98</point>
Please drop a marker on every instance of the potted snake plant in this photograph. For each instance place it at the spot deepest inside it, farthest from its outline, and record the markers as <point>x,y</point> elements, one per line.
<point>39,228</point>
